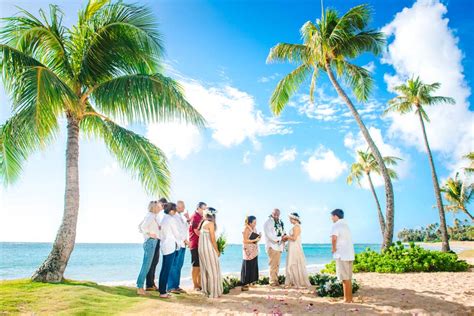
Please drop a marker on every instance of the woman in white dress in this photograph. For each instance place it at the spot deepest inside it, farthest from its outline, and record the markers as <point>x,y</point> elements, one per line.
<point>296,273</point>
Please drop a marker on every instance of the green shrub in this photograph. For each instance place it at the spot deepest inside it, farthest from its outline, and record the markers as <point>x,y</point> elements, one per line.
<point>461,230</point>
<point>264,280</point>
<point>329,285</point>
<point>229,282</point>
<point>400,259</point>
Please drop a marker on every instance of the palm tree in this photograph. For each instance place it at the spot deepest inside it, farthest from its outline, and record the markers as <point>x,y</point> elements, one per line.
<point>470,157</point>
<point>106,67</point>
<point>458,194</point>
<point>328,46</point>
<point>414,95</point>
<point>364,166</point>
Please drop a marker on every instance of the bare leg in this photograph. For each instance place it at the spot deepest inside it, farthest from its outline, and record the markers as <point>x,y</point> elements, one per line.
<point>347,286</point>
<point>196,274</point>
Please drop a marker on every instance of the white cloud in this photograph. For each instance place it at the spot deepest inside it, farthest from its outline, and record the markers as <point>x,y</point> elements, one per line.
<point>265,79</point>
<point>110,169</point>
<point>323,108</point>
<point>324,166</point>
<point>370,66</point>
<point>175,139</point>
<point>355,143</point>
<point>246,158</point>
<point>231,115</point>
<point>424,45</point>
<point>272,161</point>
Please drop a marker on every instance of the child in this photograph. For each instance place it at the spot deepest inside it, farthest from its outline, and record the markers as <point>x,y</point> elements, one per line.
<point>343,252</point>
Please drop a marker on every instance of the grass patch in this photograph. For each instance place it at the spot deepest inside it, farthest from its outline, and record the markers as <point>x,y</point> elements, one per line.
<point>69,297</point>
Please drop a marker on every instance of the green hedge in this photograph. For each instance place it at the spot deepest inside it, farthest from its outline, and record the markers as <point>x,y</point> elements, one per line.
<point>400,259</point>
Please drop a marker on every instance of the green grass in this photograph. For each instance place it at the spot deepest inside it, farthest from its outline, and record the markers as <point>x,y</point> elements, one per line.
<point>69,297</point>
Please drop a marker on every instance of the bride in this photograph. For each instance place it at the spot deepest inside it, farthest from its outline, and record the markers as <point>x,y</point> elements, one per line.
<point>296,274</point>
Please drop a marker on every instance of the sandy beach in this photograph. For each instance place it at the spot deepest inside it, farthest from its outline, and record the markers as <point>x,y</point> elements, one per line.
<point>411,293</point>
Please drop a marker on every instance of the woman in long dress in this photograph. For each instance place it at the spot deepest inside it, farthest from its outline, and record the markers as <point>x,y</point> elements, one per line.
<point>249,272</point>
<point>296,273</point>
<point>211,278</point>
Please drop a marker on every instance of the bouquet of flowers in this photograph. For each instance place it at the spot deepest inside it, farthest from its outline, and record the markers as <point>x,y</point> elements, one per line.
<point>221,243</point>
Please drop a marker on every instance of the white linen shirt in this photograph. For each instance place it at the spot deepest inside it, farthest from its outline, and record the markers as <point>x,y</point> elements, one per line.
<point>149,225</point>
<point>182,226</point>
<point>271,238</point>
<point>169,235</point>
<point>344,245</point>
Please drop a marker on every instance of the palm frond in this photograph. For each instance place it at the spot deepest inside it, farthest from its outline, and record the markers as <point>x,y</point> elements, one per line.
<point>294,53</point>
<point>145,161</point>
<point>359,79</point>
<point>286,87</point>
<point>145,98</point>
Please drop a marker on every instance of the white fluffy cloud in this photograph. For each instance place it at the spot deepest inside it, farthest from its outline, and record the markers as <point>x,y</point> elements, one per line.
<point>324,166</point>
<point>231,115</point>
<point>272,161</point>
<point>357,142</point>
<point>423,44</point>
<point>175,139</point>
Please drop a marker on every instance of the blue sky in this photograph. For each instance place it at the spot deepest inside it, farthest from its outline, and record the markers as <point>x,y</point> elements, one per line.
<point>248,162</point>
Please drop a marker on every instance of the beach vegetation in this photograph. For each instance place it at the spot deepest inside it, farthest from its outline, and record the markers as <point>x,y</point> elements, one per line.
<point>460,231</point>
<point>400,259</point>
<point>329,285</point>
<point>459,194</point>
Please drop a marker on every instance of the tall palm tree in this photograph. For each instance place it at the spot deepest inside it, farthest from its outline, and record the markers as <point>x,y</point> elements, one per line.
<point>106,67</point>
<point>328,46</point>
<point>365,166</point>
<point>458,194</point>
<point>415,95</point>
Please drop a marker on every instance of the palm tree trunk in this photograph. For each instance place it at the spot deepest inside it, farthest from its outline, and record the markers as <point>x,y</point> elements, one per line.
<point>439,201</point>
<point>52,269</point>
<point>390,203</point>
<point>379,209</point>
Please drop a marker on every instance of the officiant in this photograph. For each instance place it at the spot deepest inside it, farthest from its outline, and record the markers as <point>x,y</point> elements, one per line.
<point>249,274</point>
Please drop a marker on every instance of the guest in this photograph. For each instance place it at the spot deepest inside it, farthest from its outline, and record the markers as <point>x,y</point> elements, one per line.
<point>169,244</point>
<point>343,252</point>
<point>211,278</point>
<point>175,272</point>
<point>150,230</point>
<point>195,220</point>
<point>150,277</point>
<point>296,273</point>
<point>249,272</point>
<point>274,245</point>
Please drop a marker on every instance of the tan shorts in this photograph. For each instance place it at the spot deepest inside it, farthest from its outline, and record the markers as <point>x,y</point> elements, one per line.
<point>344,269</point>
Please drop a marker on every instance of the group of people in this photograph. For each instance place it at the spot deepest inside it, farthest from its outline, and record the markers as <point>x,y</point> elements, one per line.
<point>176,230</point>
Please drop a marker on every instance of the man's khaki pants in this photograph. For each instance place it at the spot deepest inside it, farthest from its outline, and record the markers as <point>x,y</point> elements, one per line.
<point>274,262</point>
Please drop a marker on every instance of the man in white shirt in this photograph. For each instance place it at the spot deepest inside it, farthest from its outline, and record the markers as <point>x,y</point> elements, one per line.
<point>175,272</point>
<point>274,231</point>
<point>343,252</point>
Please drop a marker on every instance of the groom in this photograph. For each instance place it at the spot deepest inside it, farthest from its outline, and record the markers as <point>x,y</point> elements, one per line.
<point>274,232</point>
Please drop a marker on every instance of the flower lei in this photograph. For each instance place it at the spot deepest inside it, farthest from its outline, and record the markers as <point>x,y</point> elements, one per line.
<point>279,227</point>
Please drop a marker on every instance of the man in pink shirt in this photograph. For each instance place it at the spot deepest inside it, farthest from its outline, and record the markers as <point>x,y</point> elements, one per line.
<point>195,220</point>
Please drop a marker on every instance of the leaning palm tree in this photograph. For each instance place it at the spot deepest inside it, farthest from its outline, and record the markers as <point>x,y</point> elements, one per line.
<point>364,167</point>
<point>415,95</point>
<point>328,46</point>
<point>459,194</point>
<point>107,67</point>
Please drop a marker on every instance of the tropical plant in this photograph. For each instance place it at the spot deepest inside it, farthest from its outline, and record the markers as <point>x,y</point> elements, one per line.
<point>328,46</point>
<point>458,194</point>
<point>221,243</point>
<point>329,285</point>
<point>364,166</point>
<point>470,157</point>
<point>400,259</point>
<point>461,230</point>
<point>107,67</point>
<point>415,95</point>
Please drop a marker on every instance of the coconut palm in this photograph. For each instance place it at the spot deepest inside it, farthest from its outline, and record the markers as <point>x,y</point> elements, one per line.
<point>470,157</point>
<point>458,194</point>
<point>364,167</point>
<point>414,96</point>
<point>328,46</point>
<point>107,67</point>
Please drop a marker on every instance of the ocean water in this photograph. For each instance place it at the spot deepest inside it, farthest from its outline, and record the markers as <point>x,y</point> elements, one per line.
<point>120,263</point>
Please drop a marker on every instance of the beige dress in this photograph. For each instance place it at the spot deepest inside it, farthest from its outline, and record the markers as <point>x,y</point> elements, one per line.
<point>211,278</point>
<point>296,273</point>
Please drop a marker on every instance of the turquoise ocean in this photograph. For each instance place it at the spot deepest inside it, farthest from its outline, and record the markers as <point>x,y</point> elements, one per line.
<point>120,263</point>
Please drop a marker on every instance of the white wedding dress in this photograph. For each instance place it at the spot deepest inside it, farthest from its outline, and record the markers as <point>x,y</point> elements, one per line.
<point>296,273</point>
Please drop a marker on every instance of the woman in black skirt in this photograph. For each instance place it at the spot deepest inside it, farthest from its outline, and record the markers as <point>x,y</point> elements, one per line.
<point>249,272</point>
